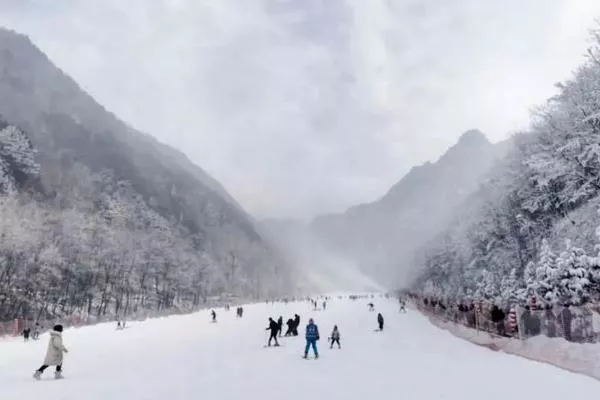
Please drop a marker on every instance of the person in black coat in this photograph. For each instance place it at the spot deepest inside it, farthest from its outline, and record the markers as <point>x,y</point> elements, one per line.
<point>26,333</point>
<point>274,328</point>
<point>380,321</point>
<point>290,327</point>
<point>296,324</point>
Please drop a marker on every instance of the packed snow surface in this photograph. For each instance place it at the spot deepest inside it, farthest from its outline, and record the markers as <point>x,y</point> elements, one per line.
<point>188,357</point>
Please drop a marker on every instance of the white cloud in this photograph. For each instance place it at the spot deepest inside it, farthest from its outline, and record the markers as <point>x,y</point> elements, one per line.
<point>314,105</point>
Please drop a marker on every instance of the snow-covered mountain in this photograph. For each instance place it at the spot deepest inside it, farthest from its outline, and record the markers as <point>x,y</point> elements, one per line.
<point>119,221</point>
<point>532,229</point>
<point>382,236</point>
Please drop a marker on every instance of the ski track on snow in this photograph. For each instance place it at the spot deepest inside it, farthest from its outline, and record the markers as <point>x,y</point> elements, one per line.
<point>187,357</point>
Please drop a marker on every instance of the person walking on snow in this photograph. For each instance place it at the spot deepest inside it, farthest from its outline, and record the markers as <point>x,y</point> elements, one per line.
<point>290,327</point>
<point>312,335</point>
<point>296,325</point>
<point>26,333</point>
<point>402,306</point>
<point>335,337</point>
<point>54,355</point>
<point>36,331</point>
<point>274,328</point>
<point>214,316</point>
<point>380,321</point>
<point>280,324</point>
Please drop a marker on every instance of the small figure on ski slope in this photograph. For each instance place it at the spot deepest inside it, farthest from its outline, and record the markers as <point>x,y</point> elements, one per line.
<point>296,325</point>
<point>213,315</point>
<point>280,324</point>
<point>380,321</point>
<point>54,354</point>
<point>290,327</point>
<point>274,328</point>
<point>402,306</point>
<point>371,307</point>
<point>324,305</point>
<point>335,337</point>
<point>26,333</point>
<point>312,336</point>
<point>36,331</point>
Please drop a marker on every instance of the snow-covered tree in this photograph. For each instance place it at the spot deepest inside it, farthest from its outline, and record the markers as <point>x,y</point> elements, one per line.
<point>573,282</point>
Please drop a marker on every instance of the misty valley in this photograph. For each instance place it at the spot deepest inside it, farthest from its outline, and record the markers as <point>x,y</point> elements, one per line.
<point>385,187</point>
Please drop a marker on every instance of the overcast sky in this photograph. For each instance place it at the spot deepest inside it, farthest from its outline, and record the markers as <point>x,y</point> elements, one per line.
<point>307,106</point>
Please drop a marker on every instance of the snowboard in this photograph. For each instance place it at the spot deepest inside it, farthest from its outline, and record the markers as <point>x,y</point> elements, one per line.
<point>310,358</point>
<point>267,346</point>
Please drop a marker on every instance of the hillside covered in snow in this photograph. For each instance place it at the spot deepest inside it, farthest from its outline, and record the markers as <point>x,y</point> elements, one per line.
<point>532,227</point>
<point>99,219</point>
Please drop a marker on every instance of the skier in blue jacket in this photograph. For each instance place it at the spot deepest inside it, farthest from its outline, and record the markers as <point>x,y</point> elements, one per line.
<point>312,335</point>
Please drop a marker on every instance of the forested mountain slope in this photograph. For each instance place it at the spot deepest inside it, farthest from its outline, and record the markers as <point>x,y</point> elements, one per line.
<point>532,228</point>
<point>112,220</point>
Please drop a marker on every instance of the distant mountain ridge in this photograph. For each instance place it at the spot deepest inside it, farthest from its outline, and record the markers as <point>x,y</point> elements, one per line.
<point>384,235</point>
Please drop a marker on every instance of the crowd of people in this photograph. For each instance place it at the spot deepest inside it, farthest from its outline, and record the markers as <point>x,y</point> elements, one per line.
<point>312,335</point>
<point>56,349</point>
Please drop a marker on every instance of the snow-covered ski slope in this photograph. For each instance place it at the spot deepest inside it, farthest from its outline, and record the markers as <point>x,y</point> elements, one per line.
<point>187,357</point>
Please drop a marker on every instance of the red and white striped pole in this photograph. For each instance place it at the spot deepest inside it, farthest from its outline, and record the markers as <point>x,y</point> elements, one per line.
<point>512,320</point>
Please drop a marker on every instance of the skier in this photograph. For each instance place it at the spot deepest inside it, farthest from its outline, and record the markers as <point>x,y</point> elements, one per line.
<point>214,316</point>
<point>26,333</point>
<point>371,307</point>
<point>402,306</point>
<point>54,355</point>
<point>312,335</point>
<point>274,328</point>
<point>380,321</point>
<point>290,327</point>
<point>280,324</point>
<point>296,324</point>
<point>324,305</point>
<point>335,337</point>
<point>36,331</point>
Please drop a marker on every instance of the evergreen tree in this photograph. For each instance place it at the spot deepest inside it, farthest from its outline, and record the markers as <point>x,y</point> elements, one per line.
<point>573,272</point>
